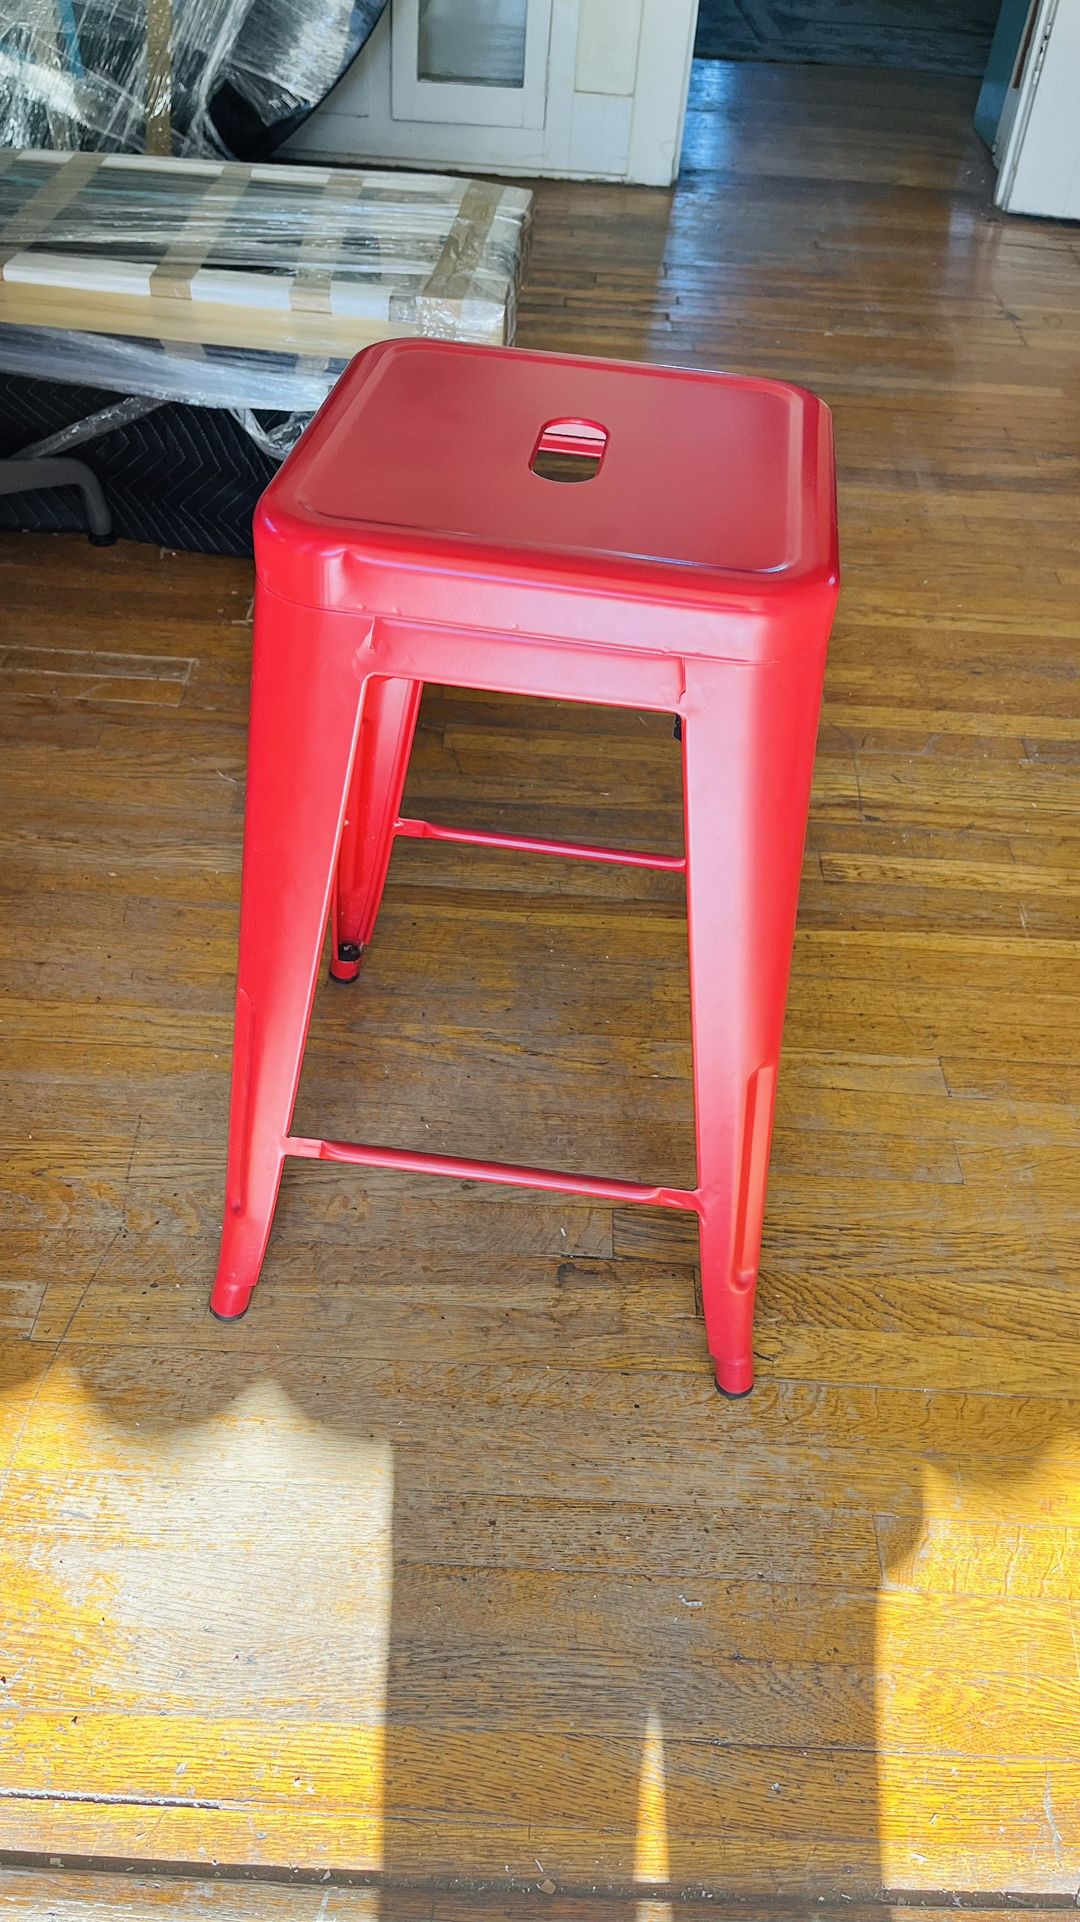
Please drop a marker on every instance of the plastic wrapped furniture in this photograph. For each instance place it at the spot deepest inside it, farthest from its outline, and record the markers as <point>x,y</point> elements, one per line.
<point>231,77</point>
<point>128,284</point>
<point>421,532</point>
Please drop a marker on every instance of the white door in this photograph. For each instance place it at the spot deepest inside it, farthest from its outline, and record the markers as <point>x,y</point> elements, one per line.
<point>1038,147</point>
<point>592,89</point>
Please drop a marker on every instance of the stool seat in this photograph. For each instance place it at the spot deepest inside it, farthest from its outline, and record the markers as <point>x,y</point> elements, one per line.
<point>705,487</point>
<point>643,537</point>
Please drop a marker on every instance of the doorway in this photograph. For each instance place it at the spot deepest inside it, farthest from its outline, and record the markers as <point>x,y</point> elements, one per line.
<point>923,36</point>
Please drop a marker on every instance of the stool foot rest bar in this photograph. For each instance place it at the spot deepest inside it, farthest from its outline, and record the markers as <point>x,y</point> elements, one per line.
<point>520,844</point>
<point>506,1173</point>
<point>414,535</point>
<point>345,955</point>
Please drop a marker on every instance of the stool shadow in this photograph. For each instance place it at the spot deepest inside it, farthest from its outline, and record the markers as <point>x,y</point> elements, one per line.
<point>604,1710</point>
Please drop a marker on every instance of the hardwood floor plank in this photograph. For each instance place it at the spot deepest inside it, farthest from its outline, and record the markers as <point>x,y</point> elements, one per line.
<point>25,1896</point>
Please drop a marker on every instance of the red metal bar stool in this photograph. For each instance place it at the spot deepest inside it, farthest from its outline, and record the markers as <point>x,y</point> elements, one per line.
<point>422,531</point>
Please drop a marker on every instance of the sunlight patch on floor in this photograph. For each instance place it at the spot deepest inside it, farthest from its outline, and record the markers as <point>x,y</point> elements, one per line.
<point>197,1624</point>
<point>652,1856</point>
<point>973,1695</point>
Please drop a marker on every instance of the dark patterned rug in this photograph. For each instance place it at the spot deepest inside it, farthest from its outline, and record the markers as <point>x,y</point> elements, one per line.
<point>932,36</point>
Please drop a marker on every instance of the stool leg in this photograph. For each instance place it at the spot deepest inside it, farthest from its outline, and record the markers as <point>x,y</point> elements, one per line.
<point>367,840</point>
<point>748,744</point>
<point>305,705</point>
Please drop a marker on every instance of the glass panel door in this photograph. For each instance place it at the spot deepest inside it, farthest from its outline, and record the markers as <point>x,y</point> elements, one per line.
<point>476,63</point>
<point>482,45</point>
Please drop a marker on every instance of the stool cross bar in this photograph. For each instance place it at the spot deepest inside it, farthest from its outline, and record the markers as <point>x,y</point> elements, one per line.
<point>507,1174</point>
<point>415,534</point>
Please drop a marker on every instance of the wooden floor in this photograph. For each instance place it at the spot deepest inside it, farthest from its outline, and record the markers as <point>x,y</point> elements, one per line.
<point>447,1569</point>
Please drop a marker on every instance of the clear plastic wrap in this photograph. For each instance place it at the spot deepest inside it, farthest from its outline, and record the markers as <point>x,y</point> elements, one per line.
<point>170,370</point>
<point>170,76</point>
<point>246,287</point>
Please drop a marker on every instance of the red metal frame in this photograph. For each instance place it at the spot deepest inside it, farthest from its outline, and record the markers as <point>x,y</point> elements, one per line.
<point>360,599</point>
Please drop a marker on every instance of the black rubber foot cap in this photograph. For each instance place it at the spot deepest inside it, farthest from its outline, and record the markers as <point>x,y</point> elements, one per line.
<point>228,1318</point>
<point>733,1394</point>
<point>349,953</point>
<point>102,540</point>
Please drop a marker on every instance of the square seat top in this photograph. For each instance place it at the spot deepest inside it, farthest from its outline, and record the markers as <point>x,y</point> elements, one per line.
<point>636,482</point>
